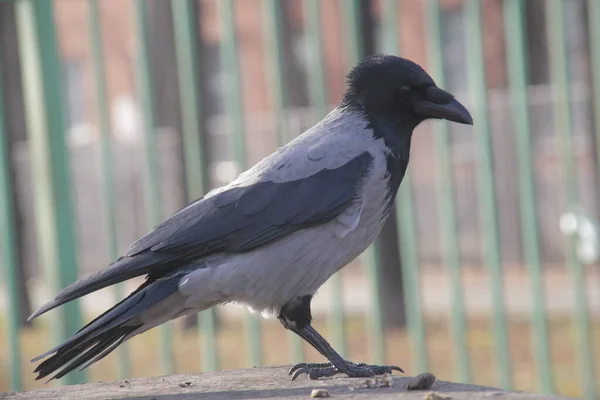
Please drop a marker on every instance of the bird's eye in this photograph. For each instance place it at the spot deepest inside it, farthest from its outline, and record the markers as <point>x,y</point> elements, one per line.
<point>403,93</point>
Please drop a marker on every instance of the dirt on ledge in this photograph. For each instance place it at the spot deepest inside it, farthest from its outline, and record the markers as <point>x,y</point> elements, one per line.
<point>265,383</point>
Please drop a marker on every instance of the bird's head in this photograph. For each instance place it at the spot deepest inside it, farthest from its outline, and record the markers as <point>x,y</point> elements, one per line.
<point>398,90</point>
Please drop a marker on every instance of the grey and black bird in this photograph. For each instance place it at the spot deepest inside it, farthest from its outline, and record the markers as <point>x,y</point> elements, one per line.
<point>274,235</point>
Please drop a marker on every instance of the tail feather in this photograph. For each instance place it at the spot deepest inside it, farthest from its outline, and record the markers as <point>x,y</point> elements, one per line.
<point>105,352</point>
<point>110,316</point>
<point>121,270</point>
<point>73,358</point>
<point>105,333</point>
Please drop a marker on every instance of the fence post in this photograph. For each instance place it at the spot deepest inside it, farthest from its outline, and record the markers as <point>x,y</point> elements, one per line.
<point>406,223</point>
<point>517,68</point>
<point>196,173</point>
<point>42,81</point>
<point>560,75</point>
<point>354,53</point>
<point>8,248</point>
<point>317,91</point>
<point>108,192</point>
<point>235,112</point>
<point>446,203</point>
<point>151,177</point>
<point>273,34</point>
<point>593,13</point>
<point>488,209</point>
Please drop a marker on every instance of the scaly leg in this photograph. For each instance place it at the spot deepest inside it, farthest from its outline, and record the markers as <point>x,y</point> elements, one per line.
<point>296,317</point>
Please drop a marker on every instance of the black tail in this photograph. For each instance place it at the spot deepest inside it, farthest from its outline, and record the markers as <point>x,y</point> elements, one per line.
<point>104,334</point>
<point>100,348</point>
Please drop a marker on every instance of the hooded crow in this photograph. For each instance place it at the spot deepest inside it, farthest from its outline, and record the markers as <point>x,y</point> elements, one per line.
<point>274,235</point>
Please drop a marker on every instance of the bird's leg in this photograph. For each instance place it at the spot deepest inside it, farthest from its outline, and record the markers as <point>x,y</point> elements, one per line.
<point>296,317</point>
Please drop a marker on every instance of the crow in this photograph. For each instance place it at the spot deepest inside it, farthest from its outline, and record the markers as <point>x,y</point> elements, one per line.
<point>274,235</point>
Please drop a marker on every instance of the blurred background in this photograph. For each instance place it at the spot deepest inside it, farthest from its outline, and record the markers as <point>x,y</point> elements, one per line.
<point>115,113</point>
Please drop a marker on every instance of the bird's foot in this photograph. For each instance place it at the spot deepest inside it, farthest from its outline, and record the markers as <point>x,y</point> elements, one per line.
<point>352,370</point>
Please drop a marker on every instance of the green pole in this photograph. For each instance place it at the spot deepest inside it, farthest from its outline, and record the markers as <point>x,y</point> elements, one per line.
<point>446,204</point>
<point>230,63</point>
<point>593,8</point>
<point>559,70</point>
<point>374,317</point>
<point>110,201</point>
<point>317,76</point>
<point>355,52</point>
<point>197,181</point>
<point>405,221</point>
<point>50,158</point>
<point>151,177</point>
<point>517,73</point>
<point>351,15</point>
<point>317,89</point>
<point>390,26</point>
<point>8,249</point>
<point>488,210</point>
<point>273,35</point>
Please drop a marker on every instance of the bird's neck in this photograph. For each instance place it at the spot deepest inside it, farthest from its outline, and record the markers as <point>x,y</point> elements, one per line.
<point>397,139</point>
<point>396,163</point>
<point>396,133</point>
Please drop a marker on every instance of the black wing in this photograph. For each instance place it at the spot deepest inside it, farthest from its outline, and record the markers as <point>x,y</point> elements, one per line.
<point>235,220</point>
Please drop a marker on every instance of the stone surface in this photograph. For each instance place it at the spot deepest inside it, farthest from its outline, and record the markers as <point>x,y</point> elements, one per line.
<point>261,383</point>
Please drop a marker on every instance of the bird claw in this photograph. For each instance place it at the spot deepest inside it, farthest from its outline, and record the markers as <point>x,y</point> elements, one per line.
<point>295,367</point>
<point>352,370</point>
<point>384,369</point>
<point>306,365</point>
<point>316,372</point>
<point>300,372</point>
<point>395,368</point>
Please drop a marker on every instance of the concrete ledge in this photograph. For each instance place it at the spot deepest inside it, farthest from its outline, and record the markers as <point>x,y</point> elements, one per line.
<point>260,383</point>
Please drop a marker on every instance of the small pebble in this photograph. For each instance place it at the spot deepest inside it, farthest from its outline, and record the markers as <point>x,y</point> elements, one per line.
<point>318,393</point>
<point>185,384</point>
<point>388,380</point>
<point>376,382</point>
<point>421,382</point>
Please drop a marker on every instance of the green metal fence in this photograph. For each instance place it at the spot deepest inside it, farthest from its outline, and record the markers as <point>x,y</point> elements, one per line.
<point>517,61</point>
<point>54,205</point>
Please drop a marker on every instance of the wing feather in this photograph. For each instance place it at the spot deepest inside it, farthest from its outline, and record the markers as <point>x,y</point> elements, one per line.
<point>237,219</point>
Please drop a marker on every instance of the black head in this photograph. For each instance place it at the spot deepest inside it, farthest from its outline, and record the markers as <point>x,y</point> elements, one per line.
<point>398,90</point>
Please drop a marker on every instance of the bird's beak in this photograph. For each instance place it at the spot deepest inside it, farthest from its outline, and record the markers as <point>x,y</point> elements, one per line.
<point>438,103</point>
